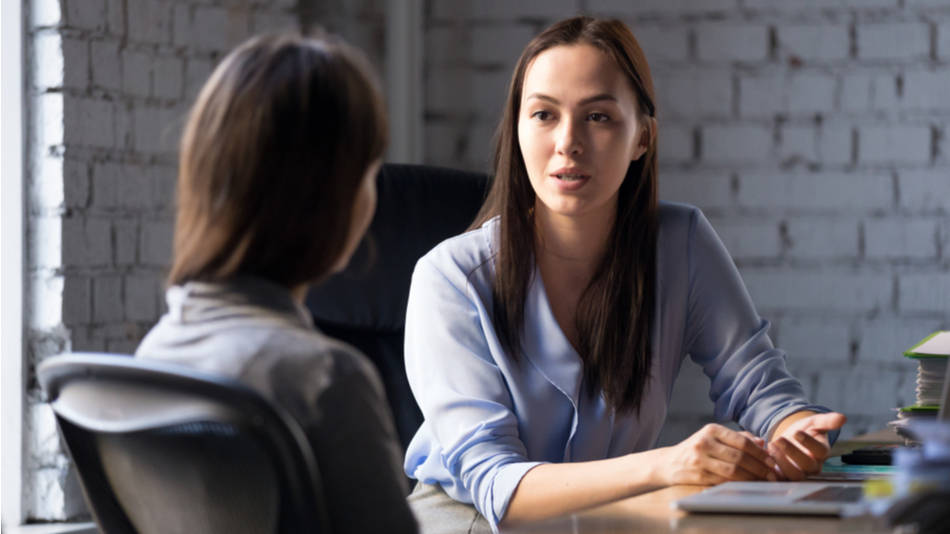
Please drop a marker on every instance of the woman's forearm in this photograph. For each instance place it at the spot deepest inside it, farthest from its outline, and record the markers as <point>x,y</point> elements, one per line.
<point>551,490</point>
<point>712,455</point>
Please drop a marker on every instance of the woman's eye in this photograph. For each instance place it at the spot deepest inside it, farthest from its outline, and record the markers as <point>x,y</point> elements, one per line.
<point>541,115</point>
<point>598,117</point>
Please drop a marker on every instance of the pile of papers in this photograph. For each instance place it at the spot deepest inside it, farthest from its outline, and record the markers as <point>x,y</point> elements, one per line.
<point>931,354</point>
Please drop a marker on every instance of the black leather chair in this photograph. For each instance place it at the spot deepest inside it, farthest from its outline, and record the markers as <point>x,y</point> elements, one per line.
<point>418,207</point>
<point>162,448</point>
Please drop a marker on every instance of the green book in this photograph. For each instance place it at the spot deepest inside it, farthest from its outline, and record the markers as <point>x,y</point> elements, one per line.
<point>920,409</point>
<point>936,345</point>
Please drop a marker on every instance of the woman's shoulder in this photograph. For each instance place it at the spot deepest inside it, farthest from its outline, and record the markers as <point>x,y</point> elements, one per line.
<point>463,257</point>
<point>677,216</point>
<point>307,364</point>
<point>677,223</point>
<point>316,352</point>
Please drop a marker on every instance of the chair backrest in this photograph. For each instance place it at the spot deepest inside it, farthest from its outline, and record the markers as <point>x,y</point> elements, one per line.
<point>365,305</point>
<point>163,448</point>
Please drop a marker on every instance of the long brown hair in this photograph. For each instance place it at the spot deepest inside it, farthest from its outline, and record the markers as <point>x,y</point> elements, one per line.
<point>615,313</point>
<point>272,157</point>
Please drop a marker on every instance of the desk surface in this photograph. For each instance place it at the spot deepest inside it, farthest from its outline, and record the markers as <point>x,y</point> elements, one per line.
<point>651,513</point>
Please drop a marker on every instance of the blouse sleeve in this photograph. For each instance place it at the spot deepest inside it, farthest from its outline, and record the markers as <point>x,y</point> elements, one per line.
<point>459,387</point>
<point>749,382</point>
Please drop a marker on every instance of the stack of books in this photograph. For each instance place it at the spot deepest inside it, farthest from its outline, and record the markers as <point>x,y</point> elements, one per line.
<point>931,355</point>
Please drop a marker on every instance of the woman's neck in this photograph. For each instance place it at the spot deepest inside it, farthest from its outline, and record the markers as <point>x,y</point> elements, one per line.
<point>574,244</point>
<point>299,293</point>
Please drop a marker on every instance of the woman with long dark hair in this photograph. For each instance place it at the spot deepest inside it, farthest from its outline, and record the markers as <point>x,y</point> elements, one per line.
<point>276,186</point>
<point>543,344</point>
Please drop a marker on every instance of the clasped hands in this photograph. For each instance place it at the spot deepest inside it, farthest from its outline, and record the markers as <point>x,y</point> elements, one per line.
<point>798,447</point>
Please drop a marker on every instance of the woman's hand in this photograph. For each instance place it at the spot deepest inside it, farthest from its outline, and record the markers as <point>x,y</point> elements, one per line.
<point>800,445</point>
<point>716,454</point>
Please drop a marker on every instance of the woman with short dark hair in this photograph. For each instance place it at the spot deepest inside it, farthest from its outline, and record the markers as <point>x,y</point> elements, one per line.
<point>543,344</point>
<point>276,186</point>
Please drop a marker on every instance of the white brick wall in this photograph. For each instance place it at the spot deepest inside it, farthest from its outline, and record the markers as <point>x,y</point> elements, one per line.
<point>689,93</point>
<point>812,42</point>
<point>889,144</point>
<point>826,237</point>
<point>732,42</point>
<point>901,239</point>
<point>925,191</point>
<point>893,41</point>
<point>110,82</point>
<point>736,144</point>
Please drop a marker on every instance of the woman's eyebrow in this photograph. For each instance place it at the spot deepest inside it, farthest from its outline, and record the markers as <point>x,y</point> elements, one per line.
<point>595,98</point>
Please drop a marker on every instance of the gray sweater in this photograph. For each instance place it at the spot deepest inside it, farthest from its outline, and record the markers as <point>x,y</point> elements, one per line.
<point>251,330</point>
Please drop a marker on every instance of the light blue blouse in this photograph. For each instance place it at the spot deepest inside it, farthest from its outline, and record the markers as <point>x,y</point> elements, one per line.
<point>488,419</point>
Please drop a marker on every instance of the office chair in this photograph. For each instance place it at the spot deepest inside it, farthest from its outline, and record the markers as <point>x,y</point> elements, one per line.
<point>418,207</point>
<point>163,448</point>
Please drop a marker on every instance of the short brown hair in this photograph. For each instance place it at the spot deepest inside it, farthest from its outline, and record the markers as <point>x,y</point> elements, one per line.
<point>272,157</point>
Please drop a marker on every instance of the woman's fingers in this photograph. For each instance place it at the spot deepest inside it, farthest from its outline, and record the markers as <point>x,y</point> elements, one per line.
<point>741,451</point>
<point>755,439</point>
<point>804,461</point>
<point>818,448</point>
<point>740,441</point>
<point>755,458</point>
<point>789,469</point>
<point>716,454</point>
<point>756,467</point>
<point>729,470</point>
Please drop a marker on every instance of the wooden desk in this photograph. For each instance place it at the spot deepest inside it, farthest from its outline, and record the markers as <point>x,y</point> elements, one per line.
<point>651,513</point>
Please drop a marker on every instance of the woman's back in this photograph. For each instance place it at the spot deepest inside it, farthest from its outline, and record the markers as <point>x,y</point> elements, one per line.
<point>252,330</point>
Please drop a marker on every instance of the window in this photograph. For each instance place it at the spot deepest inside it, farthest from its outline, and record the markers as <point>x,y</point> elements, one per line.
<point>11,266</point>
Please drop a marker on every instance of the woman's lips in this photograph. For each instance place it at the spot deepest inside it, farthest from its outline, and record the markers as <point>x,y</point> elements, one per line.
<point>568,181</point>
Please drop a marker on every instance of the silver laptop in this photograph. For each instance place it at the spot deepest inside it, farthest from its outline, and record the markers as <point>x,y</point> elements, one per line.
<point>812,498</point>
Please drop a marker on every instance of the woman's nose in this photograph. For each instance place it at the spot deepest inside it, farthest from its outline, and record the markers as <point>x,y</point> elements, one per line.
<point>568,140</point>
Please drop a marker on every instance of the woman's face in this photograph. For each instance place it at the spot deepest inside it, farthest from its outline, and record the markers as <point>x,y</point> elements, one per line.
<point>364,206</point>
<point>578,129</point>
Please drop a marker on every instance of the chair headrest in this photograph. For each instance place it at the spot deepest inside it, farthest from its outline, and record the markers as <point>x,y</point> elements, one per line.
<point>418,207</point>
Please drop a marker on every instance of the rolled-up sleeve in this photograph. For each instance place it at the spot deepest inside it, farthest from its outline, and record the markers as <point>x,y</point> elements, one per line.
<point>470,422</point>
<point>749,381</point>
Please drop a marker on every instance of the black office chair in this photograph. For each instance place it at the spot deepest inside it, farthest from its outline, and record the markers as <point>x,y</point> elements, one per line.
<point>418,207</point>
<point>162,448</point>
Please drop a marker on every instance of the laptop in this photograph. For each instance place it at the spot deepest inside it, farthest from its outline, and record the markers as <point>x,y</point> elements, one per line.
<point>810,497</point>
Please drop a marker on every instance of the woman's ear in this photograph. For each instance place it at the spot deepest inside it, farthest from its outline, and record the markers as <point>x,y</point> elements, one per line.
<point>645,139</point>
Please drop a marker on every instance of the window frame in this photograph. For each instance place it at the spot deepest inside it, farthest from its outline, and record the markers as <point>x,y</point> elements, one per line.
<point>12,226</point>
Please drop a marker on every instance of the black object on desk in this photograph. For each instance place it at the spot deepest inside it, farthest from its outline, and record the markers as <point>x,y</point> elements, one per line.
<point>873,455</point>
